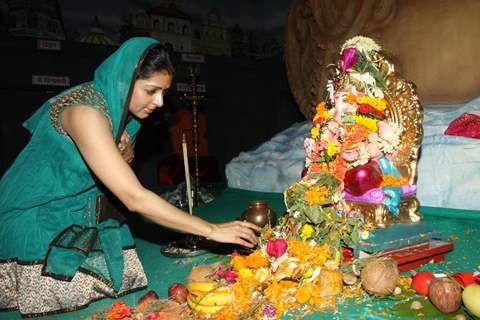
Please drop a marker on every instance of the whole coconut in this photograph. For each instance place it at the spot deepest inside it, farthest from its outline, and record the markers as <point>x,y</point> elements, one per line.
<point>380,276</point>
<point>445,294</point>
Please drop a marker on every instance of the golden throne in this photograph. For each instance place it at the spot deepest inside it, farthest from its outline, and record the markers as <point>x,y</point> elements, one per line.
<point>405,110</point>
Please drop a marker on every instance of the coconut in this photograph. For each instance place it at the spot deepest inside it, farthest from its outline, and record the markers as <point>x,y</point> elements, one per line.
<point>380,276</point>
<point>330,282</point>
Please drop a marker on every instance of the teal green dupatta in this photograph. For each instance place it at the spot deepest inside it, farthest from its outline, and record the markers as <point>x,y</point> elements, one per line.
<point>47,197</point>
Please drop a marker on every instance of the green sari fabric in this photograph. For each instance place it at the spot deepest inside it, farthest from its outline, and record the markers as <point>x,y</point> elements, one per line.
<point>47,196</point>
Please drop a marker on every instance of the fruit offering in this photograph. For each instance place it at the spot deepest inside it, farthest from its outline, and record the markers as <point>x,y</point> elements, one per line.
<point>178,292</point>
<point>208,297</point>
<point>471,299</point>
<point>445,294</point>
<point>379,277</point>
<point>421,281</point>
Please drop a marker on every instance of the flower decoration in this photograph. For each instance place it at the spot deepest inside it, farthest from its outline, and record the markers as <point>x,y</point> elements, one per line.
<point>119,311</point>
<point>227,274</point>
<point>276,248</point>
<point>361,43</point>
<point>269,312</point>
<point>150,307</point>
<point>348,58</point>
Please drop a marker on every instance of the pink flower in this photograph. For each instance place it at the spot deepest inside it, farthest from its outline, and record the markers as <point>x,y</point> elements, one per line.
<point>153,316</point>
<point>349,58</point>
<point>220,273</point>
<point>276,248</point>
<point>386,132</point>
<point>235,253</point>
<point>230,276</point>
<point>350,155</point>
<point>311,148</point>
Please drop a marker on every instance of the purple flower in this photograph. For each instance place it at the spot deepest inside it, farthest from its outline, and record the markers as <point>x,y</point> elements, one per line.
<point>349,58</point>
<point>269,311</point>
<point>276,248</point>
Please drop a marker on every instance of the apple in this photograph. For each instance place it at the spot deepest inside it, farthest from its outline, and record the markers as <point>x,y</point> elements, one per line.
<point>471,299</point>
<point>445,294</point>
<point>421,281</point>
<point>178,292</point>
<point>146,300</point>
<point>150,295</point>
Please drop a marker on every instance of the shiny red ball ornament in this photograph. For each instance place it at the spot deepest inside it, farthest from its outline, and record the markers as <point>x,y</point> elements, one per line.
<point>178,292</point>
<point>363,178</point>
<point>421,281</point>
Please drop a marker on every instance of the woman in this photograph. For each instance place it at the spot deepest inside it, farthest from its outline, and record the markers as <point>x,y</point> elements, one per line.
<point>58,250</point>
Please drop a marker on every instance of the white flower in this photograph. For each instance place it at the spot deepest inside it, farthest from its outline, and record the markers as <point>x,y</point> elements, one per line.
<point>365,78</point>
<point>307,162</point>
<point>315,274</point>
<point>330,90</point>
<point>389,136</point>
<point>361,43</point>
<point>262,274</point>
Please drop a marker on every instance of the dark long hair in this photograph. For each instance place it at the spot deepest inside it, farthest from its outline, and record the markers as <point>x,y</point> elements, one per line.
<point>157,59</point>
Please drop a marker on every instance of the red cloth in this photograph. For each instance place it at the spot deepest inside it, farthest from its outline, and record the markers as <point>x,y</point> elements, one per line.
<point>467,125</point>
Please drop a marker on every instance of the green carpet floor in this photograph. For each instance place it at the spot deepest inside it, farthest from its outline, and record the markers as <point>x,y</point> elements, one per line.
<point>162,271</point>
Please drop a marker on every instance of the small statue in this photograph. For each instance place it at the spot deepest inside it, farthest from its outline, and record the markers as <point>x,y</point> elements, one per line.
<point>367,135</point>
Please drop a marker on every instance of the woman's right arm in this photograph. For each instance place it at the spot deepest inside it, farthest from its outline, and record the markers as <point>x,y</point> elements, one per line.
<point>91,132</point>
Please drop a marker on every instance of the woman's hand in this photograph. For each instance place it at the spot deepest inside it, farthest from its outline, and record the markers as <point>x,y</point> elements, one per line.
<point>239,232</point>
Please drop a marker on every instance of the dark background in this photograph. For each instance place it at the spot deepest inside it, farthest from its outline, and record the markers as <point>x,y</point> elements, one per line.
<point>248,100</point>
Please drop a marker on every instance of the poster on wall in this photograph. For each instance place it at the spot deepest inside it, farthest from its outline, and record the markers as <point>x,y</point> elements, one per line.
<point>46,80</point>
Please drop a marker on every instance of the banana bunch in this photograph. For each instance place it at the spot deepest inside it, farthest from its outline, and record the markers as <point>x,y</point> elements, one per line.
<point>207,297</point>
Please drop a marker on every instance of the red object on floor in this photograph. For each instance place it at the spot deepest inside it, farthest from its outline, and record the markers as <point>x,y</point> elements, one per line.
<point>467,125</point>
<point>466,278</point>
<point>415,255</point>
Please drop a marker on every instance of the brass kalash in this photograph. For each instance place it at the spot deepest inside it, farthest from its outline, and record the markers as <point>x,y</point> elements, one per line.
<point>376,169</point>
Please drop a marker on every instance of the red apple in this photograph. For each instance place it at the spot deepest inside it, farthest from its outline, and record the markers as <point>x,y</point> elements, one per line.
<point>178,292</point>
<point>146,300</point>
<point>150,295</point>
<point>445,294</point>
<point>421,281</point>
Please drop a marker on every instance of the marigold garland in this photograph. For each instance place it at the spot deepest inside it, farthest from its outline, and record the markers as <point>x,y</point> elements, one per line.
<point>370,123</point>
<point>378,103</point>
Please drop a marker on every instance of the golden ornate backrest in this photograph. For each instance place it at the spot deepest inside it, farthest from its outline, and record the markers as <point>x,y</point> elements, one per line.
<point>405,110</point>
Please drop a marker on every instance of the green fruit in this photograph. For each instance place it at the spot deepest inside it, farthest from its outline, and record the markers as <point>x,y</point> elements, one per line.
<point>471,299</point>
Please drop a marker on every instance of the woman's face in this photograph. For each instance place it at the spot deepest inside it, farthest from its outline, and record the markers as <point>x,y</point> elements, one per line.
<point>148,94</point>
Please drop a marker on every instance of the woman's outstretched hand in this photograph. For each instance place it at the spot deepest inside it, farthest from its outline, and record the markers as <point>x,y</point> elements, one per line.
<point>239,232</point>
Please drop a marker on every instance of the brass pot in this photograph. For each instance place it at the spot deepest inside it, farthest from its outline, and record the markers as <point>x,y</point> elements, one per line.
<point>260,214</point>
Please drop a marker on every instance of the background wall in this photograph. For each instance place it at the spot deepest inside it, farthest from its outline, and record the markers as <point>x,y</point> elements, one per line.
<point>247,100</point>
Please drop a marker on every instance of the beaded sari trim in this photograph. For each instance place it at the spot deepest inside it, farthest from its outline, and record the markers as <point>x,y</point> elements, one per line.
<point>83,95</point>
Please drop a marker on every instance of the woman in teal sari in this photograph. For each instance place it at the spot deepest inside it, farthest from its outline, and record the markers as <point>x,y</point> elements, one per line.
<point>57,251</point>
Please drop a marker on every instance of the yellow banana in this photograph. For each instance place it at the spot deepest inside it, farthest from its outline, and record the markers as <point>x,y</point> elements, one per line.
<point>201,308</point>
<point>211,299</point>
<point>202,286</point>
